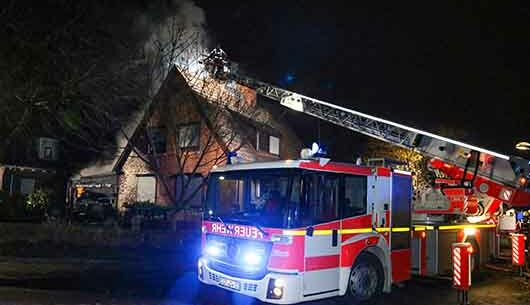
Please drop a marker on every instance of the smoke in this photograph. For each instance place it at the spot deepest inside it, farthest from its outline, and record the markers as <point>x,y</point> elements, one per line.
<point>176,35</point>
<point>165,33</point>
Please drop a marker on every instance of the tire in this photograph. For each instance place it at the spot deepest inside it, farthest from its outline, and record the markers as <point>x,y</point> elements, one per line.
<point>365,283</point>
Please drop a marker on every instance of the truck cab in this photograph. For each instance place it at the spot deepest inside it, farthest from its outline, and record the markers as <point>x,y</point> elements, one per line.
<point>297,230</point>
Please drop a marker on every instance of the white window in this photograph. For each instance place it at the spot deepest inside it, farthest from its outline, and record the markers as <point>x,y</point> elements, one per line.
<point>146,188</point>
<point>188,136</point>
<point>267,143</point>
<point>274,145</point>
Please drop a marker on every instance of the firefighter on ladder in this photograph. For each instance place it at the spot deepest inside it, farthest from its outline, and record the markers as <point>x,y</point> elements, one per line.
<point>216,62</point>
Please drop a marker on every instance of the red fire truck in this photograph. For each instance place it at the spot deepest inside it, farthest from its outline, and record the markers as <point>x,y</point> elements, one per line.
<point>297,230</point>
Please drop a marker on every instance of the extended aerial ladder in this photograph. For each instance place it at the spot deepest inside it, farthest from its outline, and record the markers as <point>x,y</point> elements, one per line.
<point>488,173</point>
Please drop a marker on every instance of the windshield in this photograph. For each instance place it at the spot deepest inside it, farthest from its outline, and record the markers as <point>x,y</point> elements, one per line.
<point>267,197</point>
<point>284,198</point>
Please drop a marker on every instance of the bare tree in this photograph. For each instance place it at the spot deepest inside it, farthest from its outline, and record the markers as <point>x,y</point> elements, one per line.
<point>417,163</point>
<point>223,113</point>
<point>220,107</point>
<point>413,161</point>
<point>76,70</point>
<point>80,74</point>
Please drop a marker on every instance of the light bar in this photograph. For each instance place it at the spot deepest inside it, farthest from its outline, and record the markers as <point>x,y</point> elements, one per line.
<point>474,226</point>
<point>522,146</point>
<point>397,171</point>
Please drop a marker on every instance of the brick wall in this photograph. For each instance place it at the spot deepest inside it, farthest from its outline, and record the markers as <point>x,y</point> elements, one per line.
<point>176,106</point>
<point>133,167</point>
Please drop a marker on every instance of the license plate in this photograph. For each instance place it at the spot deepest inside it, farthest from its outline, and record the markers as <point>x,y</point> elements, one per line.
<point>229,284</point>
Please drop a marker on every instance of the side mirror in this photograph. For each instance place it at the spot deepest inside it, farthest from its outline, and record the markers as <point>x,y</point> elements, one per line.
<point>309,231</point>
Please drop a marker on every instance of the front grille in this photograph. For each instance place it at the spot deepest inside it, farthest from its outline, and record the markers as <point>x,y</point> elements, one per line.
<point>230,263</point>
<point>250,287</point>
<point>213,277</point>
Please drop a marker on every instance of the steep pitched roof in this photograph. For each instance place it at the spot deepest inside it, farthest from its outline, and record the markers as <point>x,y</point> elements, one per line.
<point>175,82</point>
<point>112,164</point>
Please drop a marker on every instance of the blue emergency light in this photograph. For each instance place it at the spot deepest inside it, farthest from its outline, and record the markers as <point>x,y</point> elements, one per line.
<point>318,150</point>
<point>229,156</point>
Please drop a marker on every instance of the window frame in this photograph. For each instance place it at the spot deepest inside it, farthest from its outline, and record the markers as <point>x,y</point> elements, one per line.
<point>138,178</point>
<point>304,195</point>
<point>343,196</point>
<point>189,147</point>
<point>265,137</point>
<point>279,145</point>
<point>163,133</point>
<point>262,138</point>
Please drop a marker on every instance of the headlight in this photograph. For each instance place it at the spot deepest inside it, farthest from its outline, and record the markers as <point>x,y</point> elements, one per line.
<point>214,250</point>
<point>275,289</point>
<point>252,258</point>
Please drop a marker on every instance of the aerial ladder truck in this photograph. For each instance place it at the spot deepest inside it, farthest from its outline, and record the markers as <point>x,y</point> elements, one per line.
<point>473,186</point>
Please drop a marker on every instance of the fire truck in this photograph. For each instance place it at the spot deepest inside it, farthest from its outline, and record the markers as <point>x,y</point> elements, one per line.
<point>291,231</point>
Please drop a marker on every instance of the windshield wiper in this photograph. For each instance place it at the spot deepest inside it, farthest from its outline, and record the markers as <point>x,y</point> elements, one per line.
<point>254,224</point>
<point>224,224</point>
<point>250,222</point>
<point>259,228</point>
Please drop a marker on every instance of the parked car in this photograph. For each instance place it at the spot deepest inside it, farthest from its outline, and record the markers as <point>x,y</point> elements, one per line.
<point>95,207</point>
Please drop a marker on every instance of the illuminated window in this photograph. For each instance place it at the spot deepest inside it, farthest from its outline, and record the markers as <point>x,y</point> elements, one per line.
<point>146,188</point>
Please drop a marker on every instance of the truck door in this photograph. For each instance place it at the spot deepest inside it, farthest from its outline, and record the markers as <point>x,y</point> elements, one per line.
<point>321,192</point>
<point>400,222</point>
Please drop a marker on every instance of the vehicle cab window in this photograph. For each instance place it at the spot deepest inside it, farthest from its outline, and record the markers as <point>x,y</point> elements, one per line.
<point>231,194</point>
<point>354,202</point>
<point>321,198</point>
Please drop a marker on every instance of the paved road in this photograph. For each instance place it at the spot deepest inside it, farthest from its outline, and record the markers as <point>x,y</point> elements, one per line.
<point>495,288</point>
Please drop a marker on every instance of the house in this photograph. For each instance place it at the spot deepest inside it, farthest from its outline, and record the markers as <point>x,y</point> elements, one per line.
<point>191,126</point>
<point>26,166</point>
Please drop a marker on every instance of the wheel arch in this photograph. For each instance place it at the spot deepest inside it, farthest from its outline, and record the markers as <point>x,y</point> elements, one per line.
<point>381,251</point>
<point>384,260</point>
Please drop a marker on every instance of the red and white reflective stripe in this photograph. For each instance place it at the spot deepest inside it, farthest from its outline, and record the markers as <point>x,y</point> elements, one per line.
<point>506,194</point>
<point>322,262</point>
<point>515,250</point>
<point>457,267</point>
<point>518,244</point>
<point>461,265</point>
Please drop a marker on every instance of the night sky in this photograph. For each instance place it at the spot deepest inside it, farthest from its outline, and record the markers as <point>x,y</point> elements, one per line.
<point>460,69</point>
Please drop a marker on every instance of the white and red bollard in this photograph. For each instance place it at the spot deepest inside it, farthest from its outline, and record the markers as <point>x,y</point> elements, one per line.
<point>518,249</point>
<point>462,270</point>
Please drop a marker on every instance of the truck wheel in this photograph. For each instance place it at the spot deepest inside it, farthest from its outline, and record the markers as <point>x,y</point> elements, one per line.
<point>366,279</point>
